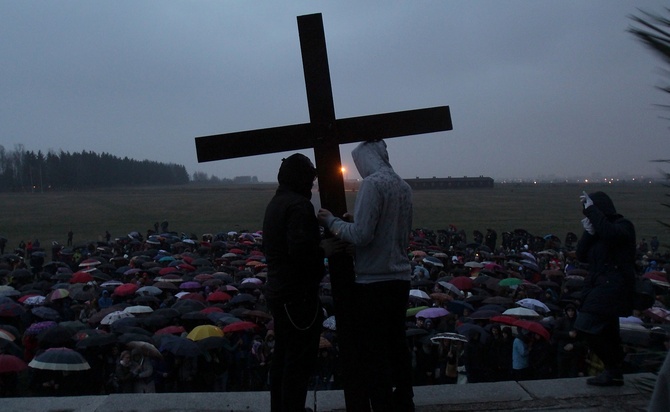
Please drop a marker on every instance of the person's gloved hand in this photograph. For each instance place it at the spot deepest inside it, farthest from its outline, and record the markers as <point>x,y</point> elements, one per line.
<point>586,200</point>
<point>588,226</point>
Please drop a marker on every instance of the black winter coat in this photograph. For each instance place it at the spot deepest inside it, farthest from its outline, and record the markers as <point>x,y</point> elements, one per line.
<point>609,288</point>
<point>291,239</point>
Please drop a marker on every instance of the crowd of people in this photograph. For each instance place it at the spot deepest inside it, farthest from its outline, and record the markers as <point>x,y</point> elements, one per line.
<point>167,312</point>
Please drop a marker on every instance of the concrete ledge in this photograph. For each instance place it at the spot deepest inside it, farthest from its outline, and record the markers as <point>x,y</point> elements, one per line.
<point>505,395</point>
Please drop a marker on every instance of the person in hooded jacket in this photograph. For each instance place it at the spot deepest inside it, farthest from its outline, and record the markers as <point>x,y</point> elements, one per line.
<point>291,243</point>
<point>380,232</point>
<point>608,246</point>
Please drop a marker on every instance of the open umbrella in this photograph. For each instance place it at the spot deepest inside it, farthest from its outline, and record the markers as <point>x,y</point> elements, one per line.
<point>448,336</point>
<point>11,363</point>
<point>38,327</point>
<point>330,323</point>
<point>60,359</point>
<point>81,277</point>
<point>239,326</point>
<point>11,309</point>
<point>418,293</point>
<point>470,329</point>
<point>411,312</point>
<point>450,287</point>
<point>521,312</point>
<point>533,304</point>
<point>204,331</point>
<point>45,313</point>
<point>433,261</point>
<point>126,289</point>
<point>6,335</point>
<point>96,341</point>
<point>504,319</point>
<point>138,309</point>
<point>458,306</point>
<point>432,313</point>
<point>170,330</point>
<point>114,316</point>
<point>58,294</point>
<point>658,314</point>
<point>145,348</point>
<point>243,298</point>
<point>149,290</point>
<point>179,346</point>
<point>534,327</point>
<point>462,282</point>
<point>483,314</point>
<point>510,282</point>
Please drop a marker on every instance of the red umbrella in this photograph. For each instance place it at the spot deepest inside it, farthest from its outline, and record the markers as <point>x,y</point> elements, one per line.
<point>81,277</point>
<point>239,326</point>
<point>167,270</point>
<point>211,309</point>
<point>218,296</point>
<point>10,309</point>
<point>656,275</point>
<point>170,330</point>
<point>126,289</point>
<point>534,327</point>
<point>462,282</point>
<point>11,363</point>
<point>193,296</point>
<point>504,319</point>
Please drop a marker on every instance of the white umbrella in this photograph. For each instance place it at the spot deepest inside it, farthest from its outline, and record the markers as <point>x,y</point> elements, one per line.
<point>450,287</point>
<point>330,323</point>
<point>35,300</point>
<point>522,312</point>
<point>138,309</point>
<point>418,293</point>
<point>533,304</point>
<point>114,316</point>
<point>448,336</point>
<point>148,290</point>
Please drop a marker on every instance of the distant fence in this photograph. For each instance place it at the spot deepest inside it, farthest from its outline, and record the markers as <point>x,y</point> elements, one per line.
<point>451,183</point>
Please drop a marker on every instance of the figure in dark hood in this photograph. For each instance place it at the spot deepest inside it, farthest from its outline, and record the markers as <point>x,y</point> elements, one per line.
<point>291,238</point>
<point>608,246</point>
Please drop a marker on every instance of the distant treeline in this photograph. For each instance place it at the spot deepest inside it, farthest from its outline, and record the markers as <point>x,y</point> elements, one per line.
<point>23,170</point>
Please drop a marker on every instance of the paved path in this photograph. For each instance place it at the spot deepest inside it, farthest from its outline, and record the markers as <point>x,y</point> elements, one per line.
<point>558,395</point>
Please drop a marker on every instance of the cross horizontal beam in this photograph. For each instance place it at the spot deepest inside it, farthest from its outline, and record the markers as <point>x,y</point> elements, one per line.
<point>306,135</point>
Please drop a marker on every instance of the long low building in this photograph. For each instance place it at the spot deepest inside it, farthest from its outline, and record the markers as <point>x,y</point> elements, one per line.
<point>450,183</point>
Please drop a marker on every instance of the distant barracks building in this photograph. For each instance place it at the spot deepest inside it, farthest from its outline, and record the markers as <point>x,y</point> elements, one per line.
<point>451,183</point>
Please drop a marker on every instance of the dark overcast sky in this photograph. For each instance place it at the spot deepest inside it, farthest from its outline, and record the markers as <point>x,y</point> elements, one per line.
<point>535,87</point>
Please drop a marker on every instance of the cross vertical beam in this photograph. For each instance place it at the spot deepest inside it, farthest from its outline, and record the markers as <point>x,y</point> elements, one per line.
<point>322,112</point>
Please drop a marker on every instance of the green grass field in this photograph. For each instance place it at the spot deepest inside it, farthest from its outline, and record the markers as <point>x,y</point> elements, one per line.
<point>540,209</point>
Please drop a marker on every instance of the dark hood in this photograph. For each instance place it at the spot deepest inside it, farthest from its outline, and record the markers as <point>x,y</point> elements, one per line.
<point>603,203</point>
<point>297,174</point>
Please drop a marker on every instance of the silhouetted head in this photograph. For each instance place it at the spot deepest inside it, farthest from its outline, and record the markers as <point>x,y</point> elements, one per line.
<point>603,203</point>
<point>297,173</point>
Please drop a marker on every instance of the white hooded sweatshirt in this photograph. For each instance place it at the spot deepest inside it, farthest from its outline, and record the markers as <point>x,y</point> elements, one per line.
<point>382,218</point>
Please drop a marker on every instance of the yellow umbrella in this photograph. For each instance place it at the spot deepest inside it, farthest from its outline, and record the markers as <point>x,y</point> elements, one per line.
<point>204,331</point>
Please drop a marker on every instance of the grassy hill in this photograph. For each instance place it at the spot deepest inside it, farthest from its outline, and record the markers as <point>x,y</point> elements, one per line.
<point>541,209</point>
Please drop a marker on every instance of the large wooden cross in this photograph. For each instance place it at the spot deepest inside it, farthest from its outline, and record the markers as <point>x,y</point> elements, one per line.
<point>324,133</point>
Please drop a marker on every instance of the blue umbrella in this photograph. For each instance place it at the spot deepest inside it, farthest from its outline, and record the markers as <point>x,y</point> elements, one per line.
<point>180,346</point>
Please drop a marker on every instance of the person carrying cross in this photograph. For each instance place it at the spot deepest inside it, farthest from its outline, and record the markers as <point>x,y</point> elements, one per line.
<point>380,230</point>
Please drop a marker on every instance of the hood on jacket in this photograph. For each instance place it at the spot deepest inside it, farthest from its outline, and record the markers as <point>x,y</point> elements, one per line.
<point>603,203</point>
<point>370,157</point>
<point>297,173</point>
